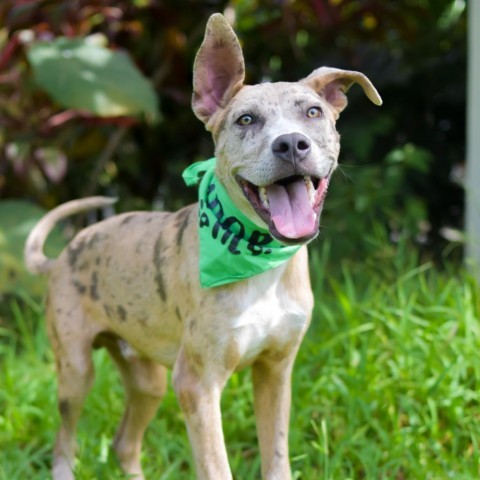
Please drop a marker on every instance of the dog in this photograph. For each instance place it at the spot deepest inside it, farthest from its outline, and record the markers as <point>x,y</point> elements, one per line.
<point>133,283</point>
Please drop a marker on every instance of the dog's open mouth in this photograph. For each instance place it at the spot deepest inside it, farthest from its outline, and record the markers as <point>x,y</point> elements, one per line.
<point>290,207</point>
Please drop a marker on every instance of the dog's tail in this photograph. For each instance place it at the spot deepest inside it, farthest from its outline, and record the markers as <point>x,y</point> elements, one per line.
<point>35,260</point>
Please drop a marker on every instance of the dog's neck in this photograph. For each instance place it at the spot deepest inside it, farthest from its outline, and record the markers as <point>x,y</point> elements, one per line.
<point>232,247</point>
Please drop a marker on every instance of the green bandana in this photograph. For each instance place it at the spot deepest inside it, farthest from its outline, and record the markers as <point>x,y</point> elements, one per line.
<point>232,247</point>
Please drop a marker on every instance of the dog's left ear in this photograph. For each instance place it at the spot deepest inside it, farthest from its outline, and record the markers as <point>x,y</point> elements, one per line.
<point>333,83</point>
<point>219,69</point>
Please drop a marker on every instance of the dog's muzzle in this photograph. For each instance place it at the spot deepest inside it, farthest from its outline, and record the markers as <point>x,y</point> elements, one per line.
<point>291,207</point>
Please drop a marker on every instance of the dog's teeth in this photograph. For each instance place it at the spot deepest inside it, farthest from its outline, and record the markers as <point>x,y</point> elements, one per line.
<point>263,197</point>
<point>310,189</point>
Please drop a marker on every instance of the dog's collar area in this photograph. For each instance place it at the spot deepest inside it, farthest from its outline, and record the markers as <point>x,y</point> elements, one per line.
<point>290,206</point>
<point>232,247</point>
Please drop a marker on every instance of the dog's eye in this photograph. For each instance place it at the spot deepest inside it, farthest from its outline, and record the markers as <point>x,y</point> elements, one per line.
<point>245,120</point>
<point>314,112</point>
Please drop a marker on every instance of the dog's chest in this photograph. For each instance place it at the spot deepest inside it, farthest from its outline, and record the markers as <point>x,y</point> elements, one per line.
<point>269,320</point>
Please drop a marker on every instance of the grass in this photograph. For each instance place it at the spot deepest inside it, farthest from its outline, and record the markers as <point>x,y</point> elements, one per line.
<point>386,386</point>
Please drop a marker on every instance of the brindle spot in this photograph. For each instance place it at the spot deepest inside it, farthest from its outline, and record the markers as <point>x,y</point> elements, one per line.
<point>74,251</point>
<point>157,261</point>
<point>122,313</point>
<point>177,313</point>
<point>127,219</point>
<point>243,133</point>
<point>98,261</point>
<point>80,287</point>
<point>108,311</point>
<point>64,407</point>
<point>192,326</point>
<point>182,222</point>
<point>84,266</point>
<point>94,287</point>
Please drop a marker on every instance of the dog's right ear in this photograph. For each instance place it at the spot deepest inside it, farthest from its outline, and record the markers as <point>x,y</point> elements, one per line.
<point>219,69</point>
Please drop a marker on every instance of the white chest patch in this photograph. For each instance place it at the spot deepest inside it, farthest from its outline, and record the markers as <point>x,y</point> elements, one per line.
<point>270,318</point>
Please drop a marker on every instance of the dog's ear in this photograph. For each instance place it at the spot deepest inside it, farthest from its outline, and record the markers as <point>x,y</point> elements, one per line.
<point>219,69</point>
<point>333,83</point>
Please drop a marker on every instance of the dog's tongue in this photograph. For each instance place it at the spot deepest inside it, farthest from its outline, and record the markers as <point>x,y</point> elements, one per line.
<point>290,209</point>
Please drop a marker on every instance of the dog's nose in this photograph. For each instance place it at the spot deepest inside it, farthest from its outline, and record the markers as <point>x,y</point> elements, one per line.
<point>291,147</point>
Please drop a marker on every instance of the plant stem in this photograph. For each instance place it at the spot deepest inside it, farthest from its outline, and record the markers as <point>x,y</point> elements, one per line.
<point>106,155</point>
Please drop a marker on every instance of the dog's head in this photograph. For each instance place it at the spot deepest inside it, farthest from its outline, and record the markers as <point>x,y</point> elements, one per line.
<point>276,143</point>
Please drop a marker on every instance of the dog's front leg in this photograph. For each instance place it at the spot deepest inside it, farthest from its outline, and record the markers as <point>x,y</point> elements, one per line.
<point>198,391</point>
<point>272,389</point>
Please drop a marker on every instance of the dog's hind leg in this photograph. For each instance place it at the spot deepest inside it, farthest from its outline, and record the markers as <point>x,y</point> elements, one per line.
<point>75,377</point>
<point>145,384</point>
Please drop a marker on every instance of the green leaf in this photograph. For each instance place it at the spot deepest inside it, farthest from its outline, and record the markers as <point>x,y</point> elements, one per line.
<point>412,156</point>
<point>83,75</point>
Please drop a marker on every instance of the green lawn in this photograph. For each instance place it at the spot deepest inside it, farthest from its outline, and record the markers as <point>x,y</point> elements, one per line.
<point>386,386</point>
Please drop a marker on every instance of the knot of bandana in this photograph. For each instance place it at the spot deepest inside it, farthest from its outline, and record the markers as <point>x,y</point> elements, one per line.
<point>232,247</point>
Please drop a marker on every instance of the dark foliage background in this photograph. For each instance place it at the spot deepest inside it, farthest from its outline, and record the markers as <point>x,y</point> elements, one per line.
<point>401,165</point>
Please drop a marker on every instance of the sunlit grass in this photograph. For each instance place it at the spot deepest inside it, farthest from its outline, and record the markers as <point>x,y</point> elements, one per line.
<point>386,386</point>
